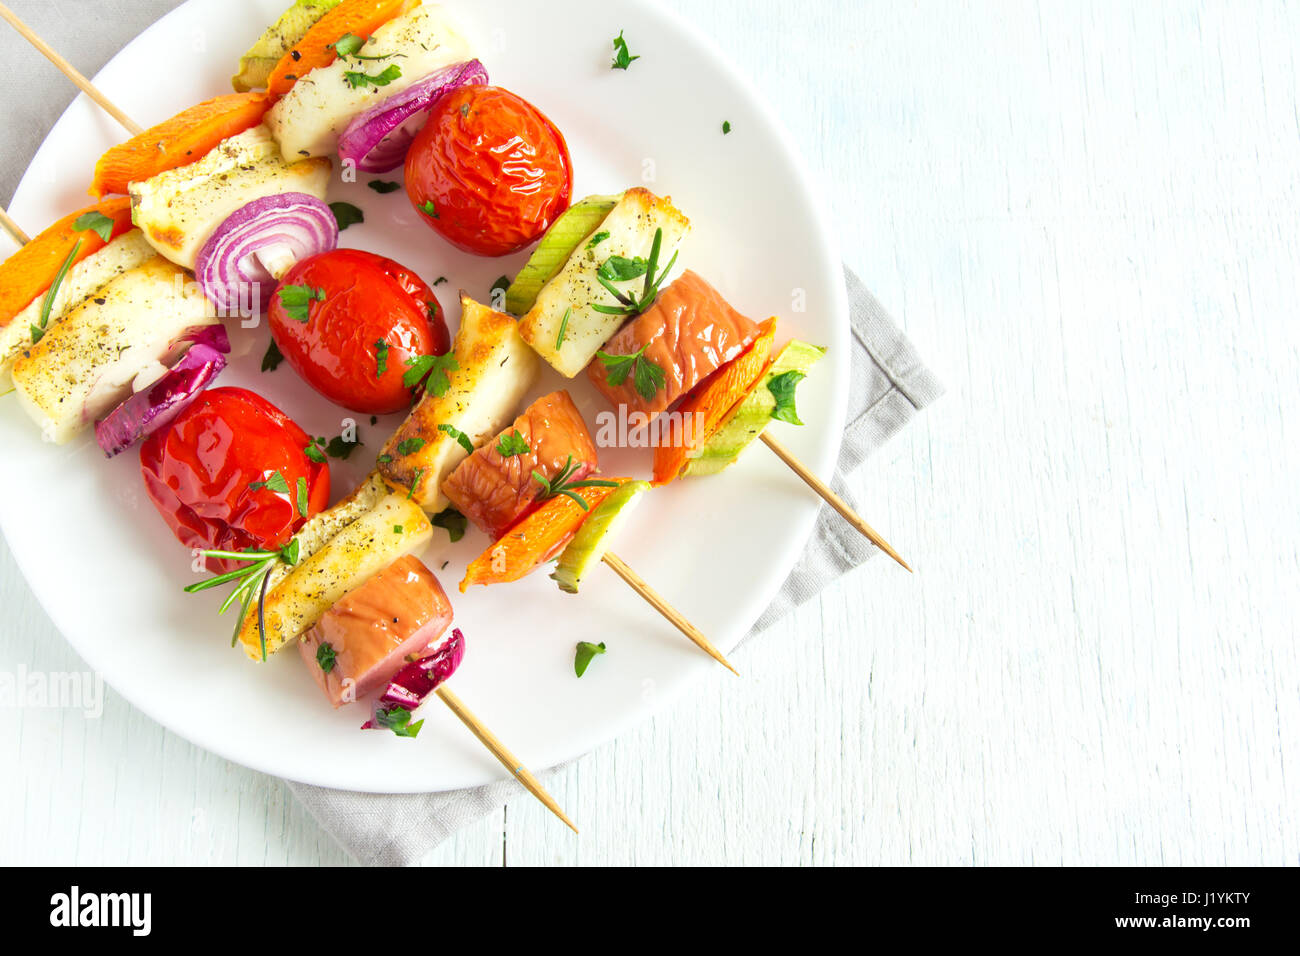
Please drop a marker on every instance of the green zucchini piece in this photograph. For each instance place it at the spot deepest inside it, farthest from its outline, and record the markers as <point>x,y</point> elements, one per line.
<point>574,226</point>
<point>747,421</point>
<point>591,542</point>
<point>256,65</point>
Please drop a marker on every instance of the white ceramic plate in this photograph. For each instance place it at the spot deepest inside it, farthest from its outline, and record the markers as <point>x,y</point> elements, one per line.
<point>107,570</point>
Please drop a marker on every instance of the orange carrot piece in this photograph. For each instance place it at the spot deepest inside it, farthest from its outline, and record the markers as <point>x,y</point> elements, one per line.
<point>712,401</point>
<point>29,271</point>
<point>185,138</point>
<point>316,48</point>
<point>534,540</point>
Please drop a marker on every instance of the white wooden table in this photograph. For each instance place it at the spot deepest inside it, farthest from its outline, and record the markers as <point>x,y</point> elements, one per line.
<point>1086,216</point>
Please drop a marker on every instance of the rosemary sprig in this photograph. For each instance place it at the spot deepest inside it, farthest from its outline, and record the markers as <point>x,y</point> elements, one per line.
<point>252,579</point>
<point>635,305</point>
<point>561,485</point>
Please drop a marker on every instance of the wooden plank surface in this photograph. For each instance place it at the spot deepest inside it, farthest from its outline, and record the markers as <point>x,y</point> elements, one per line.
<point>1085,215</point>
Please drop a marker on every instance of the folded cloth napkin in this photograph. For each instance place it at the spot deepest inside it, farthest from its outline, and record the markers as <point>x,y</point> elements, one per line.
<point>889,385</point>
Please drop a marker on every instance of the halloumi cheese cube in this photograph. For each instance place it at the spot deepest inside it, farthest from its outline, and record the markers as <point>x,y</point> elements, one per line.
<point>495,369</point>
<point>83,280</point>
<point>312,115</point>
<point>179,209</point>
<point>394,527</point>
<point>631,225</point>
<point>83,367</point>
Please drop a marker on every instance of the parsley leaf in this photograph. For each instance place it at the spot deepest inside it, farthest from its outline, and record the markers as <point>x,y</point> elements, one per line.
<point>597,239</point>
<point>297,300</point>
<point>346,214</point>
<point>439,281</point>
<point>622,269</point>
<point>275,483</point>
<point>453,522</point>
<point>459,435</point>
<point>96,222</point>
<point>429,209</point>
<point>348,44</point>
<point>358,80</point>
<point>647,377</point>
<point>302,497</point>
<point>726,127</point>
<point>340,447</point>
<point>325,656</point>
<point>585,652</point>
<point>409,446</point>
<point>512,444</point>
<point>315,452</point>
<point>782,388</point>
<point>381,358</point>
<point>382,186</point>
<point>432,371</point>
<point>273,357</point>
<point>398,720</point>
<point>622,58</point>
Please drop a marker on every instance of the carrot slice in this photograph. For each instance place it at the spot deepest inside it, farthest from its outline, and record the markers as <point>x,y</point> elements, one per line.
<point>534,540</point>
<point>29,271</point>
<point>712,401</point>
<point>185,138</point>
<point>316,48</point>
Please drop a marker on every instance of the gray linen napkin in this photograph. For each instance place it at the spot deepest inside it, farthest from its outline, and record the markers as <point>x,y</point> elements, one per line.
<point>890,384</point>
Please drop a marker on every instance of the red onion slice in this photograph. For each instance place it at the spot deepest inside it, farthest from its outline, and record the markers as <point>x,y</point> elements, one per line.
<point>417,680</point>
<point>377,139</point>
<point>235,266</point>
<point>153,407</point>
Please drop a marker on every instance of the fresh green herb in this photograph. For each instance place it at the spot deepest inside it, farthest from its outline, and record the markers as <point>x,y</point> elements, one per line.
<point>628,304</point>
<point>409,446</point>
<point>586,651</point>
<point>346,214</point>
<point>358,80</point>
<point>453,522</point>
<point>47,305</point>
<point>622,269</point>
<point>782,388</point>
<point>96,222</point>
<point>302,497</point>
<point>561,485</point>
<point>432,308</point>
<point>385,459</point>
<point>464,109</point>
<point>415,482</point>
<point>340,447</point>
<point>398,720</point>
<point>325,656</point>
<point>597,239</point>
<point>275,483</point>
<point>297,300</point>
<point>564,327</point>
<point>440,280</point>
<point>315,452</point>
<point>622,59</point>
<point>397,529</point>
<point>647,377</point>
<point>432,371</point>
<point>726,127</point>
<point>429,209</point>
<point>249,580</point>
<point>273,357</point>
<point>381,358</point>
<point>348,44</point>
<point>512,444</point>
<point>459,435</point>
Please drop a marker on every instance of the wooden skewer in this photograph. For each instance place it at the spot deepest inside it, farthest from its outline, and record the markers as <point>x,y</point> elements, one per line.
<point>70,71</point>
<point>670,613</point>
<point>15,231</point>
<point>831,498</point>
<point>502,753</point>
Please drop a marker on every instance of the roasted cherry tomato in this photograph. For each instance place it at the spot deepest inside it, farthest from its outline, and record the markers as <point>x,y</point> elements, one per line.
<point>488,171</point>
<point>198,470</point>
<point>348,321</point>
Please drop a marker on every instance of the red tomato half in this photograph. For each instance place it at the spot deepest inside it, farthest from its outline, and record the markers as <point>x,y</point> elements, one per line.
<point>366,316</point>
<point>495,170</point>
<point>197,471</point>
